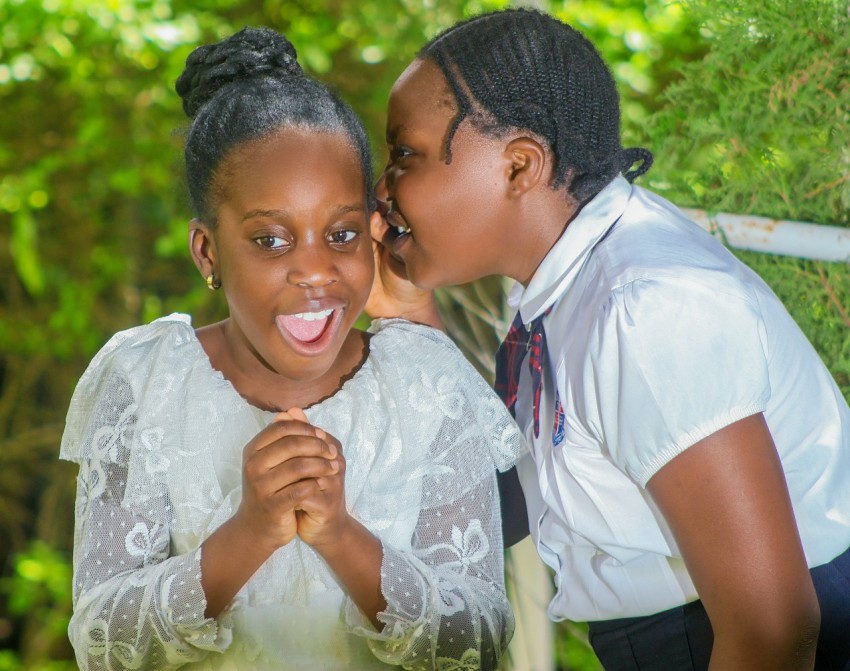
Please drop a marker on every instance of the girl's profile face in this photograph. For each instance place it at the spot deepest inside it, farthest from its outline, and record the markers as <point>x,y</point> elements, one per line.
<point>294,250</point>
<point>458,228</point>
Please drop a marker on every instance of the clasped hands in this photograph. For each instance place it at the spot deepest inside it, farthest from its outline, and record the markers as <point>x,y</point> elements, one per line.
<point>293,483</point>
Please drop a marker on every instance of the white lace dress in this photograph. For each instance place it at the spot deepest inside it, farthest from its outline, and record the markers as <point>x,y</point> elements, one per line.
<point>158,435</point>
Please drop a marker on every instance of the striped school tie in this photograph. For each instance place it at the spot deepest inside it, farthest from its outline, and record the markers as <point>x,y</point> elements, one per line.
<point>510,356</point>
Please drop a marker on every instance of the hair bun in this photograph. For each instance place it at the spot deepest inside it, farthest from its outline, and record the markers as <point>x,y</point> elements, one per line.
<point>250,53</point>
<point>628,157</point>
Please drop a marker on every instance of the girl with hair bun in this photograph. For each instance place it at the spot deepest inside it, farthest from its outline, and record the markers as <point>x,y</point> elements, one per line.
<point>689,472</point>
<point>281,490</point>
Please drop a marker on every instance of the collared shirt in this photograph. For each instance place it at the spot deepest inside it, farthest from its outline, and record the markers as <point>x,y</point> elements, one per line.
<point>659,337</point>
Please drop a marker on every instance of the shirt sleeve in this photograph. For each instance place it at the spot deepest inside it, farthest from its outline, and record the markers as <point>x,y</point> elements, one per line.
<point>446,602</point>
<point>675,361</point>
<point>135,606</point>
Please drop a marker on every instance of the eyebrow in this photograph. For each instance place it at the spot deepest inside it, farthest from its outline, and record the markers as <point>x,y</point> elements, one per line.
<point>446,101</point>
<point>394,132</point>
<point>271,214</point>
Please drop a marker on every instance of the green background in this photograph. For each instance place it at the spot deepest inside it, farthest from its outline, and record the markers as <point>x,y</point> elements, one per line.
<point>746,106</point>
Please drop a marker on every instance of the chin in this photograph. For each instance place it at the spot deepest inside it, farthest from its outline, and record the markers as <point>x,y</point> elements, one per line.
<point>423,278</point>
<point>430,281</point>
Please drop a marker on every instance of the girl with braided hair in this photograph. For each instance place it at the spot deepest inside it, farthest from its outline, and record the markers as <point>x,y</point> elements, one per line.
<point>281,490</point>
<point>689,473</point>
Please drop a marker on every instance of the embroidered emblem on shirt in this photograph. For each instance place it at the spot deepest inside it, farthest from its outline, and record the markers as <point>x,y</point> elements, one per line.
<point>558,429</point>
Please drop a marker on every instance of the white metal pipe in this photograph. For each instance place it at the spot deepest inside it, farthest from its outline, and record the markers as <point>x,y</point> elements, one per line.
<point>776,236</point>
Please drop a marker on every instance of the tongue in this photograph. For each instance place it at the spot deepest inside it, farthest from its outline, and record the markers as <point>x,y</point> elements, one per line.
<point>302,329</point>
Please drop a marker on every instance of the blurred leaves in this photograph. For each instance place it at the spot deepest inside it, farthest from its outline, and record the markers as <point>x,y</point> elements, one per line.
<point>39,588</point>
<point>761,123</point>
<point>744,104</point>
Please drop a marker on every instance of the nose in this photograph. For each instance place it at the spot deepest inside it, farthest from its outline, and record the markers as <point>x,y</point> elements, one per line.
<point>312,266</point>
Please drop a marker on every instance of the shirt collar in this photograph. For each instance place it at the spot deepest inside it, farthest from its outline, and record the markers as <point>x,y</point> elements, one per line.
<point>560,266</point>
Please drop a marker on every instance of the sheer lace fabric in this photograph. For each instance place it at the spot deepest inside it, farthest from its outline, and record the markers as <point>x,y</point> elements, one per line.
<point>159,435</point>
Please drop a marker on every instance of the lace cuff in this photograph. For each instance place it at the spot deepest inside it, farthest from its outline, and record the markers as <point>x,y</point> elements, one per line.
<point>435,617</point>
<point>150,618</point>
<point>406,634</point>
<point>134,605</point>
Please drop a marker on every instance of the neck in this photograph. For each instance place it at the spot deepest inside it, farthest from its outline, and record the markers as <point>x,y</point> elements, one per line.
<point>541,219</point>
<point>263,387</point>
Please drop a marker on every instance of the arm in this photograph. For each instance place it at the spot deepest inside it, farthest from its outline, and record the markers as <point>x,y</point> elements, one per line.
<point>727,504</point>
<point>355,557</point>
<point>134,605</point>
<point>446,597</point>
<point>349,548</point>
<point>283,466</point>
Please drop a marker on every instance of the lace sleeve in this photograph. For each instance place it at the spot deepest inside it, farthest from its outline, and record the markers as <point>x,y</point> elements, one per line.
<point>135,607</point>
<point>443,575</point>
<point>446,603</point>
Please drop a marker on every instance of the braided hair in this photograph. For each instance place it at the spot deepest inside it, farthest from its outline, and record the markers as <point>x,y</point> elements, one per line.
<point>246,87</point>
<point>523,69</point>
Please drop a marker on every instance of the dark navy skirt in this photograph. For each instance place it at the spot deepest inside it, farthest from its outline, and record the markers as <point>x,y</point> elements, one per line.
<point>680,639</point>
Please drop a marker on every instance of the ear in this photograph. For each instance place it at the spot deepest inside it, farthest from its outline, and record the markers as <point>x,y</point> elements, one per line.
<point>527,165</point>
<point>202,247</point>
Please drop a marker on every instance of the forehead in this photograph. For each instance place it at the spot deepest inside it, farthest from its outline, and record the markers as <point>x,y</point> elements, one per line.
<point>420,92</point>
<point>290,162</point>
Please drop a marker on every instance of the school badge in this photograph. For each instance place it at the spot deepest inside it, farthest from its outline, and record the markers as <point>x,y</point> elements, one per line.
<point>558,430</point>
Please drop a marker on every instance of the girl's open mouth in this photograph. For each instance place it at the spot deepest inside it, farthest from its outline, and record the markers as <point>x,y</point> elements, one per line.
<point>306,327</point>
<point>310,332</point>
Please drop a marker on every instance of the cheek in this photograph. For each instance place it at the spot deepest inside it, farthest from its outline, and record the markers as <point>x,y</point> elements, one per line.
<point>360,272</point>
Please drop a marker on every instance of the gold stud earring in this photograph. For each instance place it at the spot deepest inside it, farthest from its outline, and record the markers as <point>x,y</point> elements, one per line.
<point>212,284</point>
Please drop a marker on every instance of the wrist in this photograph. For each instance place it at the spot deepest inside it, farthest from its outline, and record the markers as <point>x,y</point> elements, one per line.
<point>229,557</point>
<point>338,545</point>
<point>254,541</point>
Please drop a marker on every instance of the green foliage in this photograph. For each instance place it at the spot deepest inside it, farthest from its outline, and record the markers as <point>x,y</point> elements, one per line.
<point>572,649</point>
<point>42,578</point>
<point>644,43</point>
<point>39,587</point>
<point>760,124</point>
<point>744,104</point>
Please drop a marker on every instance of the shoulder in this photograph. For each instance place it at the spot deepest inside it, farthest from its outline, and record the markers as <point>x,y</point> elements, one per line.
<point>111,389</point>
<point>429,379</point>
<point>142,346</point>
<point>401,328</point>
<point>671,318</point>
<point>654,240</point>
<point>399,337</point>
<point>655,259</point>
<point>132,357</point>
<point>411,352</point>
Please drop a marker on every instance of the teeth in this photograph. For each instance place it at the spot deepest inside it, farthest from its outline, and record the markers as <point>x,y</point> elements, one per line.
<point>402,230</point>
<point>313,316</point>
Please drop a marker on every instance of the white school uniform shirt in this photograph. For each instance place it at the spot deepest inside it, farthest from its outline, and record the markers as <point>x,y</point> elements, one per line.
<point>659,337</point>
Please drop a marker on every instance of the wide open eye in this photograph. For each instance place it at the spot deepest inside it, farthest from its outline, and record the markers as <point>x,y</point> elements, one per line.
<point>271,242</point>
<point>343,236</point>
